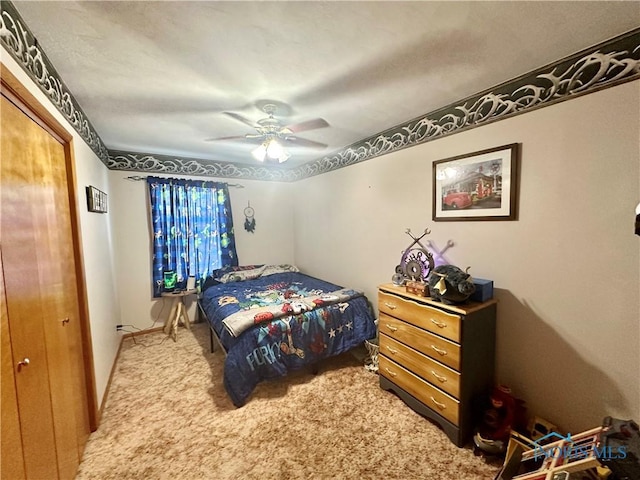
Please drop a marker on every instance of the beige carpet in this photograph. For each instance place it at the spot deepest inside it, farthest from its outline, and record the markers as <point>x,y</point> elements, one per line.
<point>168,417</point>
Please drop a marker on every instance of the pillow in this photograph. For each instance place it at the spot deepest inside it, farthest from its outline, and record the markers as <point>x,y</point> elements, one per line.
<point>271,269</point>
<point>241,275</point>
<point>253,273</point>
<point>219,273</point>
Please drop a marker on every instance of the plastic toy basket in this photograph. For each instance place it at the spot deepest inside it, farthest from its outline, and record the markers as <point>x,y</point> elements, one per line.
<point>371,360</point>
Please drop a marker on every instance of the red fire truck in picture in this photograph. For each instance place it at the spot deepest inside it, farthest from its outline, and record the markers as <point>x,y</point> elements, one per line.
<point>471,190</point>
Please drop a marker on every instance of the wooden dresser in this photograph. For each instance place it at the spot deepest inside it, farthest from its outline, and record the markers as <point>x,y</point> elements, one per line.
<point>438,358</point>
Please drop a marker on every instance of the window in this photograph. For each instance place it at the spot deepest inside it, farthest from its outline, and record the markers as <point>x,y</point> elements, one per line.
<point>192,229</point>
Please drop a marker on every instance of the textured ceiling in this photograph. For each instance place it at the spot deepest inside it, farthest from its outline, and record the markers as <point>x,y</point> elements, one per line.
<point>156,77</point>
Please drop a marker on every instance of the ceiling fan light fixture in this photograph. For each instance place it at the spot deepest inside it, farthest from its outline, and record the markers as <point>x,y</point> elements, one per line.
<point>284,157</point>
<point>274,149</point>
<point>270,150</point>
<point>260,153</point>
<point>274,135</point>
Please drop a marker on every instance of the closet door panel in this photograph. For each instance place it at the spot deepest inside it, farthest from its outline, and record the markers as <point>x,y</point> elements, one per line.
<point>24,267</point>
<point>63,257</point>
<point>58,281</point>
<point>44,320</point>
<point>68,321</point>
<point>12,459</point>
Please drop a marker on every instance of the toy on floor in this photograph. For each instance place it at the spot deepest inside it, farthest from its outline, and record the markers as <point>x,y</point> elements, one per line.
<point>558,460</point>
<point>622,436</point>
<point>503,414</point>
<point>608,452</point>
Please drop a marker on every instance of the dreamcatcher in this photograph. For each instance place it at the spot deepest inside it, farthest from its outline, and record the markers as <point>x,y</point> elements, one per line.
<point>249,220</point>
<point>416,262</point>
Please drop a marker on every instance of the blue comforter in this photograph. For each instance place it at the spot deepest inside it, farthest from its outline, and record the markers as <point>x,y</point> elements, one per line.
<point>272,348</point>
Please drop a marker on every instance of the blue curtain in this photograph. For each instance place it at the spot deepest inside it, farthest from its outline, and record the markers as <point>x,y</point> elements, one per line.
<point>192,229</point>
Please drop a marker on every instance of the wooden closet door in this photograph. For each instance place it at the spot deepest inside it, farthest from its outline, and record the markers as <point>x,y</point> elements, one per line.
<point>12,456</point>
<point>41,291</point>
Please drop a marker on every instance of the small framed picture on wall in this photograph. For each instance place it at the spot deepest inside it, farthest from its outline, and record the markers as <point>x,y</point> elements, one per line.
<point>96,200</point>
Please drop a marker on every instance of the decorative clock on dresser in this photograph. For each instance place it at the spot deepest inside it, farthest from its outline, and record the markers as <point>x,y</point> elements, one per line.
<point>438,358</point>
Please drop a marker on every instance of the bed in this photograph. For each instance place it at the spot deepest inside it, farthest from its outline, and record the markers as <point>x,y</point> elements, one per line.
<point>272,319</point>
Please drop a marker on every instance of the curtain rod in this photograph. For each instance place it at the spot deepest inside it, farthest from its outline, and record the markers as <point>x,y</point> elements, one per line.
<point>137,178</point>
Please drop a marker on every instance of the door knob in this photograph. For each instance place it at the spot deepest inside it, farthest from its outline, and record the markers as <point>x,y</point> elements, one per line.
<point>65,321</point>
<point>23,363</point>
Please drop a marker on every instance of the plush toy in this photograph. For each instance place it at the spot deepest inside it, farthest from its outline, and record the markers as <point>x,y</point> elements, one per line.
<point>449,284</point>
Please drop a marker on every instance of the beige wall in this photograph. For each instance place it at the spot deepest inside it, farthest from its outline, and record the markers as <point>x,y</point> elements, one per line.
<point>566,273</point>
<point>96,242</point>
<point>271,242</point>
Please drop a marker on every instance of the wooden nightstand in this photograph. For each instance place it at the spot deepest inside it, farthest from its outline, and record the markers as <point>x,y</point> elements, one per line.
<point>438,358</point>
<point>178,311</point>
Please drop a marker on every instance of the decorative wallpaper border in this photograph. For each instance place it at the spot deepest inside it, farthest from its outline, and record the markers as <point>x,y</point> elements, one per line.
<point>149,162</point>
<point>605,65</point>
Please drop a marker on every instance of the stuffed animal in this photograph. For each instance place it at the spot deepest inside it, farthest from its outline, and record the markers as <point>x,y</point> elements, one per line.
<point>449,284</point>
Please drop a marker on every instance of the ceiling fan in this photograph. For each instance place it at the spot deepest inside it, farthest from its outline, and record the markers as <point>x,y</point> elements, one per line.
<point>271,134</point>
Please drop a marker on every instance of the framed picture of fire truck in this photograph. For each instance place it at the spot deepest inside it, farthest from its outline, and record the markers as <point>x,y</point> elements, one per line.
<point>477,186</point>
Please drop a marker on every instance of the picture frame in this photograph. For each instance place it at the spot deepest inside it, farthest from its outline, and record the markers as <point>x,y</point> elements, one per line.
<point>481,185</point>
<point>96,200</point>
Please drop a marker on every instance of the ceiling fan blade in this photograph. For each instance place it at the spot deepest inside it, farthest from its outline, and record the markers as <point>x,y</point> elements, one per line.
<point>240,118</point>
<point>308,125</point>
<point>234,137</point>
<point>307,143</point>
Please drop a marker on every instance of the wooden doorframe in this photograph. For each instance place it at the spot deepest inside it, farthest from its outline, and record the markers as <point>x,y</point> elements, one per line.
<point>21,97</point>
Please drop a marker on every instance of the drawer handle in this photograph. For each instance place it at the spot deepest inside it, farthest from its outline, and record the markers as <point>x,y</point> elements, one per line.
<point>441,406</point>
<point>439,351</point>
<point>393,374</point>
<point>440,378</point>
<point>390,305</point>
<point>391,327</point>
<point>437,323</point>
<point>392,350</point>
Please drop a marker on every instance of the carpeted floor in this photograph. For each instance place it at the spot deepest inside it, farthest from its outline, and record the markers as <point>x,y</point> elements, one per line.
<point>168,417</point>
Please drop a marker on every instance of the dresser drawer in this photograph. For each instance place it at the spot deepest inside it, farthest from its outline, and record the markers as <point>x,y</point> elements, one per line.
<point>434,372</point>
<point>421,315</point>
<point>435,399</point>
<point>425,342</point>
